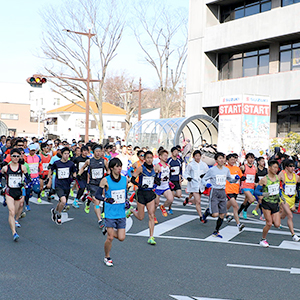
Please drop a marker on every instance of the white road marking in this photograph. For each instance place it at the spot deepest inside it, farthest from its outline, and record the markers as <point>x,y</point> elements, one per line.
<point>65,217</point>
<point>34,200</point>
<point>129,223</point>
<point>228,233</point>
<point>178,297</point>
<point>289,245</point>
<point>291,271</point>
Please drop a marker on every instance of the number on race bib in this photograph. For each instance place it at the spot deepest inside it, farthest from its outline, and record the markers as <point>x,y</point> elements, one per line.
<point>250,178</point>
<point>176,170</point>
<point>273,189</point>
<point>81,164</point>
<point>14,180</point>
<point>149,181</point>
<point>63,173</point>
<point>290,189</point>
<point>220,179</point>
<point>118,196</point>
<point>97,173</point>
<point>33,168</point>
<point>45,166</point>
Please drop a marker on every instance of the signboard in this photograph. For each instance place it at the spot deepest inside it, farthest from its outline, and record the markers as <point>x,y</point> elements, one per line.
<point>244,123</point>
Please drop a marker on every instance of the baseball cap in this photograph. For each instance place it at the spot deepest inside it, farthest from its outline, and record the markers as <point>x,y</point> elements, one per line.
<point>32,147</point>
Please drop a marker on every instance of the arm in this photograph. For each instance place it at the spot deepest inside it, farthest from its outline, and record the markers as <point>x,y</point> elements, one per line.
<point>230,179</point>
<point>87,163</point>
<point>206,177</point>
<point>136,173</point>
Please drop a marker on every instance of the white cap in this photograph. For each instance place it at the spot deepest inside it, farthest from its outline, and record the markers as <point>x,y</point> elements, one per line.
<point>32,147</point>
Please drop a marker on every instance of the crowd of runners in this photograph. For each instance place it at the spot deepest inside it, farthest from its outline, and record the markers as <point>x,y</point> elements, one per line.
<point>112,177</point>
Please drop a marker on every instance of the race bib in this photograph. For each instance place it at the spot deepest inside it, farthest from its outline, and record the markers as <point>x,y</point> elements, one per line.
<point>232,176</point>
<point>176,170</point>
<point>119,196</point>
<point>290,189</point>
<point>273,189</point>
<point>97,173</point>
<point>149,181</point>
<point>45,166</point>
<point>250,178</point>
<point>63,173</point>
<point>81,164</point>
<point>33,168</point>
<point>14,180</point>
<point>220,179</point>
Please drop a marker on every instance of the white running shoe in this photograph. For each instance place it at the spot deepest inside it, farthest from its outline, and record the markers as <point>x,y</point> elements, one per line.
<point>295,238</point>
<point>264,243</point>
<point>108,261</point>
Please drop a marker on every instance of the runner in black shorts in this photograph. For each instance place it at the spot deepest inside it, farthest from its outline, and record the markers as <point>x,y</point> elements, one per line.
<point>65,172</point>
<point>13,192</point>
<point>145,194</point>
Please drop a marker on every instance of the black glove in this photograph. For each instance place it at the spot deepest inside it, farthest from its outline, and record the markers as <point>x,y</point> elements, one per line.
<point>165,178</point>
<point>144,186</point>
<point>157,181</point>
<point>201,176</point>
<point>21,184</point>
<point>78,177</point>
<point>189,179</point>
<point>21,161</point>
<point>127,204</point>
<point>110,200</point>
<point>243,178</point>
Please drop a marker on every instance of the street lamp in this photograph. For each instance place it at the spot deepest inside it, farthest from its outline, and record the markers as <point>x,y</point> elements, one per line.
<point>87,107</point>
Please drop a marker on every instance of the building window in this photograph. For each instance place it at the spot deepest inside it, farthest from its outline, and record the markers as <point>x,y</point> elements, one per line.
<point>289,2</point>
<point>10,116</point>
<point>290,57</point>
<point>243,9</point>
<point>288,119</point>
<point>244,64</point>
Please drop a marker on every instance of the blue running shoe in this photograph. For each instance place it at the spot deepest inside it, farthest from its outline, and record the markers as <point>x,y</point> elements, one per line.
<point>245,215</point>
<point>27,208</point>
<point>170,211</point>
<point>217,234</point>
<point>16,237</point>
<point>18,225</point>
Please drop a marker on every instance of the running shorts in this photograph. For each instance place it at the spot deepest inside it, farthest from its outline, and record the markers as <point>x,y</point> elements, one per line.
<point>62,192</point>
<point>176,187</point>
<point>160,192</point>
<point>218,201</point>
<point>273,207</point>
<point>116,223</point>
<point>144,197</point>
<point>229,196</point>
<point>92,188</point>
<point>16,194</point>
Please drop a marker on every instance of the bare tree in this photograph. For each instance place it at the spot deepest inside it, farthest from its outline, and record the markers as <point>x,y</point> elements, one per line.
<point>161,32</point>
<point>68,52</point>
<point>118,91</point>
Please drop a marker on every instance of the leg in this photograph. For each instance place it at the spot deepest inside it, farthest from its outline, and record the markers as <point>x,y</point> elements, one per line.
<point>61,204</point>
<point>97,208</point>
<point>168,194</point>
<point>269,222</point>
<point>151,209</point>
<point>19,207</point>
<point>288,213</point>
<point>11,213</point>
<point>108,243</point>
<point>197,198</point>
<point>232,202</point>
<point>140,213</point>
<point>276,219</point>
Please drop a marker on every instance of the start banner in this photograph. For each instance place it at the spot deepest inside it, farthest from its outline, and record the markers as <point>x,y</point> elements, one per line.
<point>244,124</point>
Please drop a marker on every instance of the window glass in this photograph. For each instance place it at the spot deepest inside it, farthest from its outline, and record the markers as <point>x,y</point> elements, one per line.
<point>252,10</point>
<point>251,2</point>
<point>285,47</point>
<point>265,6</point>
<point>285,61</point>
<point>296,59</point>
<point>296,45</point>
<point>263,64</point>
<point>283,108</point>
<point>250,66</point>
<point>263,51</point>
<point>237,14</point>
<point>250,53</point>
<point>235,68</point>
<point>287,2</point>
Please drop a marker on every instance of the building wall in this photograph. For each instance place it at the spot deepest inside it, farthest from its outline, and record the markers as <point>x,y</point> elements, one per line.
<point>22,125</point>
<point>208,38</point>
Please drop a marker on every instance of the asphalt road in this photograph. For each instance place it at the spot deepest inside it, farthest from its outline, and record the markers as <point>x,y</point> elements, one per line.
<point>66,262</point>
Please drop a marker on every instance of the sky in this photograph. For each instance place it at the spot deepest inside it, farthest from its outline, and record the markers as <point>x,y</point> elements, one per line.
<point>21,32</point>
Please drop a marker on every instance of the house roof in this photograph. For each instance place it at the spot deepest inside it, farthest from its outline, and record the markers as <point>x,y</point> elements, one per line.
<point>145,110</point>
<point>107,108</point>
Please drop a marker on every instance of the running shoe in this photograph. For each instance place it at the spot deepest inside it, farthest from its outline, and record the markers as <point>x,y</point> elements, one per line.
<point>75,204</point>
<point>155,220</point>
<point>280,226</point>
<point>295,238</point>
<point>101,223</point>
<point>203,221</point>
<point>58,219</point>
<point>217,234</point>
<point>66,208</point>
<point>229,219</point>
<point>186,201</point>
<point>245,215</point>
<point>204,216</point>
<point>129,212</point>
<point>43,194</point>
<point>254,212</point>
<point>103,215</point>
<point>18,225</point>
<point>241,226</point>
<point>53,215</point>
<point>27,208</point>
<point>39,200</point>
<point>22,215</point>
<point>163,210</point>
<point>16,237</point>
<point>170,211</point>
<point>108,262</point>
<point>151,241</point>
<point>86,208</point>
<point>71,193</point>
<point>262,218</point>
<point>264,243</point>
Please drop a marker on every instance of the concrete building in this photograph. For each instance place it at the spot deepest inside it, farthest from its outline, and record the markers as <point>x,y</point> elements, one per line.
<point>15,120</point>
<point>249,47</point>
<point>68,122</point>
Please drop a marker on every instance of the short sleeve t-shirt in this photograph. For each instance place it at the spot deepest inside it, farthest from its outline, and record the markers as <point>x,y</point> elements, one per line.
<point>64,172</point>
